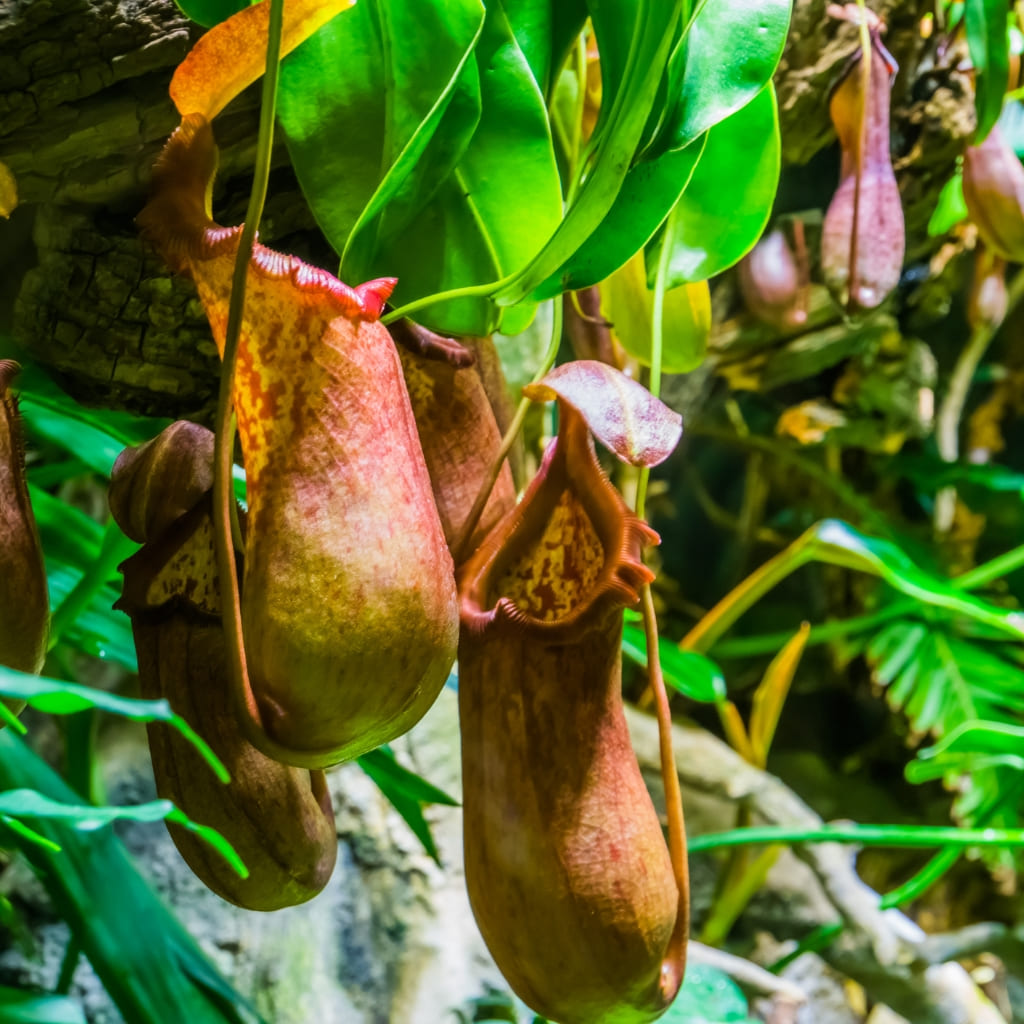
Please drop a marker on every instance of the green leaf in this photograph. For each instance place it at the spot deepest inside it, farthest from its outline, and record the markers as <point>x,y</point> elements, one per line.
<point>29,803</point>
<point>495,210</point>
<point>989,44</point>
<point>57,697</point>
<point>702,90</point>
<point>407,792</point>
<point>650,190</point>
<point>634,37</point>
<point>708,996</point>
<point>210,12</point>
<point>100,630</point>
<point>95,437</point>
<point>20,1007</point>
<point>144,957</point>
<point>691,674</point>
<point>839,543</point>
<point>382,79</point>
<point>531,22</point>
<point>706,89</point>
<point>381,763</point>
<point>968,692</point>
<point>950,208</point>
<point>911,837</point>
<point>728,200</point>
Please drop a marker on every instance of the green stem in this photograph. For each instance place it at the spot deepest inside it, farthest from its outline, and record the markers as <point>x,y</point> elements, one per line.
<point>469,291</point>
<point>657,346</point>
<point>900,836</point>
<point>223,503</point>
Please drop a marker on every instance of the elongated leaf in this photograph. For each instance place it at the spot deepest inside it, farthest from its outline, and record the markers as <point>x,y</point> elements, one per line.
<point>407,792</point>
<point>470,232</point>
<point>29,803</point>
<point>382,763</point>
<point>988,42</point>
<point>714,227</point>
<point>144,957</point>
<point>20,1007</point>
<point>845,546</point>
<point>383,77</point>
<point>94,436</point>
<point>705,89</point>
<point>622,414</point>
<point>57,697</point>
<point>691,674</point>
<point>630,79</point>
<point>100,630</point>
<point>650,190</point>
<point>531,22</point>
<point>771,695</point>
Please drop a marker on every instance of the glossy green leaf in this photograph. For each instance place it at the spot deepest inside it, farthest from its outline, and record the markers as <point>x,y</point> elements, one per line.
<point>531,22</point>
<point>634,37</point>
<point>691,674</point>
<point>498,206</point>
<point>950,208</point>
<point>382,80</point>
<point>58,697</point>
<point>67,533</point>
<point>729,198</point>
<point>144,957</point>
<point>705,89</point>
<point>29,803</point>
<point>99,630</point>
<point>650,190</point>
<point>708,996</point>
<point>913,837</point>
<point>988,41</point>
<point>210,12</point>
<point>115,547</point>
<point>407,792</point>
<point>381,763</point>
<point>20,1007</point>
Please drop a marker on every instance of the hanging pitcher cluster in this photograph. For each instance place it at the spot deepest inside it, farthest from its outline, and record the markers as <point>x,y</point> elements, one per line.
<point>363,454</point>
<point>330,618</point>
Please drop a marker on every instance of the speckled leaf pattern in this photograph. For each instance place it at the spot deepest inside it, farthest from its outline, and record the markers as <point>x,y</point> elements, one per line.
<point>622,414</point>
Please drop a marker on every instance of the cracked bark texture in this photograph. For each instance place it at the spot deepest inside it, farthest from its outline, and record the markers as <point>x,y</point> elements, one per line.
<point>84,111</point>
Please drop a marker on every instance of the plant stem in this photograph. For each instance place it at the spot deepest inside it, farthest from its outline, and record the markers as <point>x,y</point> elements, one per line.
<point>223,496</point>
<point>898,836</point>
<point>669,778</point>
